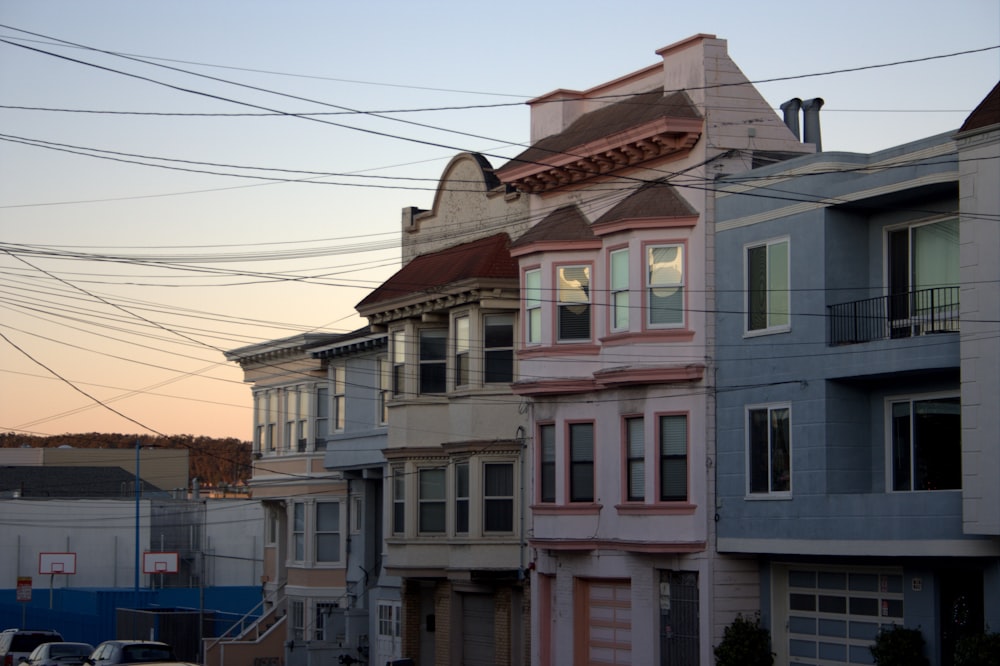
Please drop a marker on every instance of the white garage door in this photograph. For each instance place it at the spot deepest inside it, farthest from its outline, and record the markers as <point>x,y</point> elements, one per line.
<point>833,615</point>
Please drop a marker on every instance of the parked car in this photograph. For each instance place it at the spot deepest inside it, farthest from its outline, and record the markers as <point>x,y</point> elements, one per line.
<point>59,654</point>
<point>17,643</point>
<point>110,653</point>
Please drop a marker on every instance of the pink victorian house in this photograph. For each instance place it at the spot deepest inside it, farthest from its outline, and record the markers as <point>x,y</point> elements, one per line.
<point>614,356</point>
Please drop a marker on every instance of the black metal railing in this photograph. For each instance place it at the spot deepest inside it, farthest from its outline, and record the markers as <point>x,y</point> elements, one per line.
<point>901,315</point>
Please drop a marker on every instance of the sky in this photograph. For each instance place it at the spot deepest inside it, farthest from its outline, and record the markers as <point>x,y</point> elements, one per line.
<point>183,178</point>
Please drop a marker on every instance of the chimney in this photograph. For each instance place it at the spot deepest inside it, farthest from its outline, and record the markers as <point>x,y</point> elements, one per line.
<point>791,111</point>
<point>810,122</point>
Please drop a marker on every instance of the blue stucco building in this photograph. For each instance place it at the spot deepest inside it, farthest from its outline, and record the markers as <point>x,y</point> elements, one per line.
<point>857,395</point>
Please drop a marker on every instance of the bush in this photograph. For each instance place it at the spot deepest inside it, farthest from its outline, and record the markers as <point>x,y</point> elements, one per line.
<point>898,646</point>
<point>745,643</point>
<point>978,650</point>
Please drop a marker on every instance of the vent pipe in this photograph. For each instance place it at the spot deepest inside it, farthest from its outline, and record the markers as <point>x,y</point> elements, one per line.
<point>810,122</point>
<point>791,111</point>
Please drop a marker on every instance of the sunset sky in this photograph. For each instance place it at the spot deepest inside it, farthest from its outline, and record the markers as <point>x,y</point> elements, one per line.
<point>163,198</point>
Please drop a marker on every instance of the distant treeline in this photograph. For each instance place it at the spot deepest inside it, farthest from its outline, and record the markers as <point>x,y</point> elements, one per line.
<point>211,460</point>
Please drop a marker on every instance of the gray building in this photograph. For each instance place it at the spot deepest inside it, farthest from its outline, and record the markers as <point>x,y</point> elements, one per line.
<point>857,392</point>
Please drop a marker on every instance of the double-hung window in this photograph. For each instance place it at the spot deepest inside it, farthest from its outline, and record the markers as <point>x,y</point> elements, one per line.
<point>325,610</point>
<point>767,286</point>
<point>573,307</point>
<point>302,415</point>
<point>432,501</point>
<point>461,498</point>
<point>673,458</point>
<point>769,450</point>
<point>339,401</point>
<point>533,306</point>
<point>498,348</point>
<point>619,290</point>
<point>291,395</point>
<point>398,500</point>
<point>260,420</point>
<point>462,350</point>
<point>327,531</point>
<point>581,462</point>
<point>635,459</point>
<point>665,285</point>
<point>322,416</point>
<point>299,531</point>
<point>433,360</point>
<point>547,463</point>
<point>398,352</point>
<point>926,444</point>
<point>498,497</point>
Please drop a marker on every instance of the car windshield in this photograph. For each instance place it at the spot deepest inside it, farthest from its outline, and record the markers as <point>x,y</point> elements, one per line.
<point>135,654</point>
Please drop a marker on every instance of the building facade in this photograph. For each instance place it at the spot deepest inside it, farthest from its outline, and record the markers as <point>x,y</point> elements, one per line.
<point>455,509</point>
<point>617,277</point>
<point>319,427</point>
<point>857,456</point>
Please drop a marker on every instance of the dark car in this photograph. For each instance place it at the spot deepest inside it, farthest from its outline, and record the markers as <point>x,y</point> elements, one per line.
<point>110,653</point>
<point>17,643</point>
<point>59,654</point>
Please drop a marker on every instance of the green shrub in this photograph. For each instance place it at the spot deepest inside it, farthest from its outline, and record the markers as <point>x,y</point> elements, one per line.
<point>978,650</point>
<point>898,646</point>
<point>745,643</point>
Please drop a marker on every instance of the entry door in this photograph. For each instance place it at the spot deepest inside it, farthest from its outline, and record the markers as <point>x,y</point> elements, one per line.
<point>389,643</point>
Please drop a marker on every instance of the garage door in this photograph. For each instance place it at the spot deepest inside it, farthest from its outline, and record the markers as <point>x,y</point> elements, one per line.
<point>606,622</point>
<point>833,615</point>
<point>477,630</point>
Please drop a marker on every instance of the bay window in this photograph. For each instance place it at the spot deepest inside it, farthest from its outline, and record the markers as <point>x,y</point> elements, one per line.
<point>322,417</point>
<point>498,348</point>
<point>619,290</point>
<point>327,532</point>
<point>339,402</point>
<point>433,360</point>
<point>533,306</point>
<point>299,531</point>
<point>398,500</point>
<point>462,350</point>
<point>462,498</point>
<point>546,463</point>
<point>398,362</point>
<point>431,501</point>
<point>498,497</point>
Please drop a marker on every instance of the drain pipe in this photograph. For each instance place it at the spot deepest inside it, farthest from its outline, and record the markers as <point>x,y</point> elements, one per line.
<point>810,121</point>
<point>791,109</point>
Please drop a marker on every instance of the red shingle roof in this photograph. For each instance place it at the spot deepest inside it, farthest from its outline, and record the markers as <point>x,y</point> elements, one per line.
<point>486,258</point>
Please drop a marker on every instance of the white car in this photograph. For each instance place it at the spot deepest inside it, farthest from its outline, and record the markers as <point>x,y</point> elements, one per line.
<point>59,654</point>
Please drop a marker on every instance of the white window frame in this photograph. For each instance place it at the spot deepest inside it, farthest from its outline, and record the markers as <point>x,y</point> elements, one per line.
<point>429,363</point>
<point>772,323</point>
<point>462,499</point>
<point>889,466</point>
<point>323,416</point>
<point>547,470</point>
<point>462,349</point>
<point>500,349</point>
<point>490,501</point>
<point>298,528</point>
<point>437,503</point>
<point>398,517</point>
<point>384,389</point>
<point>397,349</point>
<point>664,279</point>
<point>770,493</point>
<point>298,618</point>
<point>321,620</point>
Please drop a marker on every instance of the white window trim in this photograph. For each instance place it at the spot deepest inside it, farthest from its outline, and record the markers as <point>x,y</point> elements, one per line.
<point>314,532</point>
<point>775,495</point>
<point>513,497</point>
<point>559,304</point>
<point>533,306</point>
<point>767,330</point>
<point>613,291</point>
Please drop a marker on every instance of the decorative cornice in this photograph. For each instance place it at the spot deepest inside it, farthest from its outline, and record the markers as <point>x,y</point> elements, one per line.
<point>633,376</point>
<point>659,138</point>
<point>554,387</point>
<point>639,223</point>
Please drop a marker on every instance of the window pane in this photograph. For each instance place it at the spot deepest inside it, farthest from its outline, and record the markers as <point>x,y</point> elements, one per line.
<point>433,343</point>
<point>759,472</point>
<point>299,518</point>
<point>781,479</point>
<point>581,482</point>
<point>432,516</point>
<point>462,497</point>
<point>777,276</point>
<point>498,515</point>
<point>327,517</point>
<point>901,463</point>
<point>532,288</point>
<point>547,454</point>
<point>432,495</point>
<point>461,351</point>
<point>619,288</point>
<point>432,484</point>
<point>757,288</point>
<point>574,302</point>
<point>499,348</point>
<point>499,480</point>
<point>666,277</point>
<point>636,452</point>
<point>327,547</point>
<point>498,507</point>
<point>433,346</point>
<point>499,331</point>
<point>673,458</point>
<point>935,254</point>
<point>937,437</point>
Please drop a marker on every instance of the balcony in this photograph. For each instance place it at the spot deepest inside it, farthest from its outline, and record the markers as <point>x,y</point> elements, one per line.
<point>902,315</point>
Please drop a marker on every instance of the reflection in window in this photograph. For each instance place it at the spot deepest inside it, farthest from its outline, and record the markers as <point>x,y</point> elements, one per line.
<point>619,290</point>
<point>498,348</point>
<point>533,305</point>
<point>770,450</point>
<point>433,345</point>
<point>927,444</point>
<point>573,302</point>
<point>665,265</point>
